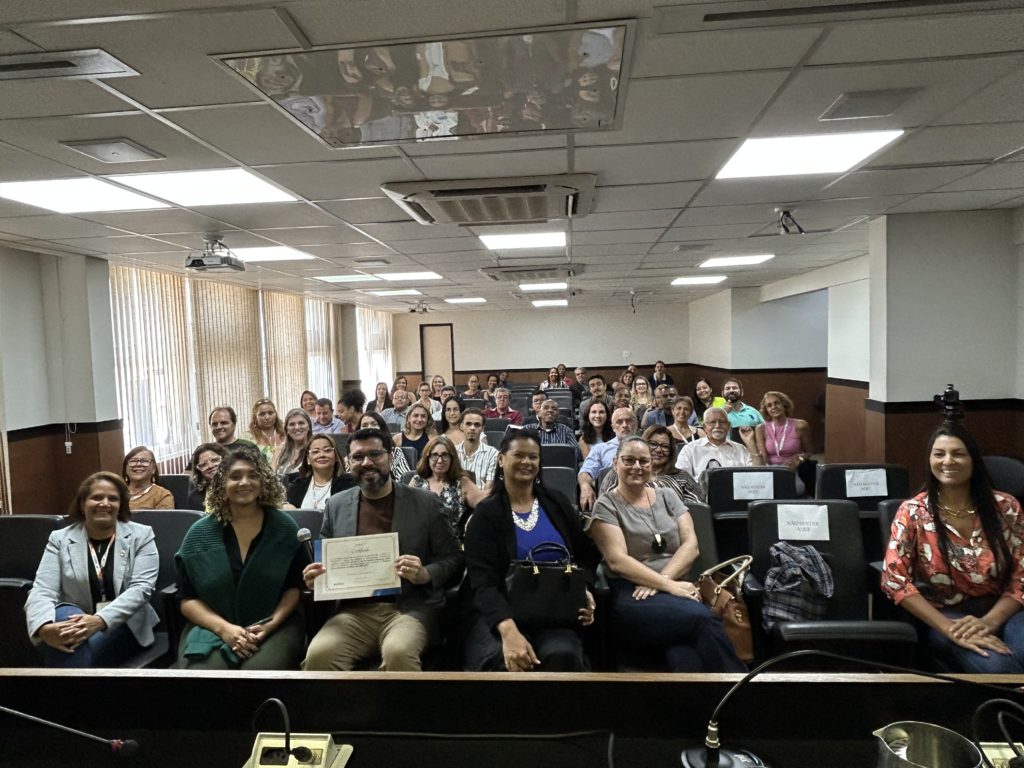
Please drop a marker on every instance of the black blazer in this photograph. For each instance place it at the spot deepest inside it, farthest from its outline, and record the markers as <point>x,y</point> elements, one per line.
<point>491,546</point>
<point>297,491</point>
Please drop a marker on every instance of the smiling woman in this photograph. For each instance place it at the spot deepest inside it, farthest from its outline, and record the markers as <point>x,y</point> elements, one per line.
<point>140,472</point>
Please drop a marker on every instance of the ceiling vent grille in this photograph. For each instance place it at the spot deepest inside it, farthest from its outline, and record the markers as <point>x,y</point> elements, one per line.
<point>68,65</point>
<point>479,202</point>
<point>530,274</point>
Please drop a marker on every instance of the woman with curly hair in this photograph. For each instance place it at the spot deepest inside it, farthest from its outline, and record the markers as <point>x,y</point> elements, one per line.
<point>266,430</point>
<point>206,458</point>
<point>240,573</point>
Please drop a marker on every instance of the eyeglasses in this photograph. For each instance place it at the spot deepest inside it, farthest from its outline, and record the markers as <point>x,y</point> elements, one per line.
<point>439,457</point>
<point>139,462</point>
<point>632,461</point>
<point>359,458</point>
<point>663,447</point>
<point>208,465</point>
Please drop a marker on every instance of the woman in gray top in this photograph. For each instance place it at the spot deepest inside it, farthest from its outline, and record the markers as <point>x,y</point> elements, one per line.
<point>647,540</point>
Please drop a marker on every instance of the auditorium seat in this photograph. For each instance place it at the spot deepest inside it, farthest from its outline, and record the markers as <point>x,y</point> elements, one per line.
<point>846,628</point>
<point>494,437</point>
<point>728,501</point>
<point>473,402</point>
<point>16,650</point>
<point>557,455</point>
<point>180,486</point>
<point>563,480</point>
<point>411,456</point>
<point>22,541</point>
<point>1007,475</point>
<point>313,519</point>
<point>496,424</point>
<point>831,483</point>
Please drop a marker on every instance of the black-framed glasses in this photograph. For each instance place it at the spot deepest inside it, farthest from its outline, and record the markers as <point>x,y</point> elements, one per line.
<point>631,461</point>
<point>359,458</point>
<point>438,457</point>
<point>662,447</point>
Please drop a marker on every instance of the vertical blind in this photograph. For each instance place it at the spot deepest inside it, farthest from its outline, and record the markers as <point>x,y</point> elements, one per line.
<point>320,361</point>
<point>284,317</point>
<point>375,345</point>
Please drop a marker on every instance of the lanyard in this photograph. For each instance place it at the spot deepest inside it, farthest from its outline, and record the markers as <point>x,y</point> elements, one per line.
<point>98,565</point>
<point>775,437</point>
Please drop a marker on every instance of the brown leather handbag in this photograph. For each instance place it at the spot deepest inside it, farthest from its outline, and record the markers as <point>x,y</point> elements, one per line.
<point>720,591</point>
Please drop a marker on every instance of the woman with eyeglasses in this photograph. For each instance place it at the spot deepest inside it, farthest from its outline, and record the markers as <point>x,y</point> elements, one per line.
<point>440,472</point>
<point>647,539</point>
<point>206,458</point>
<point>266,430</point>
<point>321,475</point>
<point>519,514</point>
<point>664,473</point>
<point>140,472</point>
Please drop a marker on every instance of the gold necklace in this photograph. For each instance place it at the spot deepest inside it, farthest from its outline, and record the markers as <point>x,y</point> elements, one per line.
<point>956,513</point>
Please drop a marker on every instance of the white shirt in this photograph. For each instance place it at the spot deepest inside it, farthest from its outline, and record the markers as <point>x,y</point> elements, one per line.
<point>482,463</point>
<point>694,457</point>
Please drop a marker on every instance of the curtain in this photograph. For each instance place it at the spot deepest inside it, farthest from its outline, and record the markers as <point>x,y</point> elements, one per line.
<point>320,359</point>
<point>284,318</point>
<point>375,347</point>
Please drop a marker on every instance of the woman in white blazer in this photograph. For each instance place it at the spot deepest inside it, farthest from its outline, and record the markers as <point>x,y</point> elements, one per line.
<point>89,605</point>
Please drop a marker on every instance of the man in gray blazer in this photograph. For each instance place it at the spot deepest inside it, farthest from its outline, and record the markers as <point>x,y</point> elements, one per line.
<point>401,627</point>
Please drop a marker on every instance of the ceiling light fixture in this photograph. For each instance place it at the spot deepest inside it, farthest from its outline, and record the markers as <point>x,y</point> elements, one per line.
<point>396,276</point>
<point>466,300</point>
<point>551,303</point>
<point>701,280</point>
<point>77,196</point>
<point>226,186</point>
<point>403,292</point>
<point>348,278</point>
<point>736,261</point>
<point>529,240</point>
<point>270,253</point>
<point>543,286</point>
<point>799,155</point>
<point>113,150</point>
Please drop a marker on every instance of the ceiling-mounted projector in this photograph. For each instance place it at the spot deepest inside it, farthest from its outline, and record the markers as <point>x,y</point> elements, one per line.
<point>215,256</point>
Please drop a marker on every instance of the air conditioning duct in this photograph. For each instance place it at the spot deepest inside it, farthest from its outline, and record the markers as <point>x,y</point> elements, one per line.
<point>479,202</point>
<point>534,273</point>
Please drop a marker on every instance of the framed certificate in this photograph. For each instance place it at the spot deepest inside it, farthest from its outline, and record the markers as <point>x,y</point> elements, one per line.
<point>357,566</point>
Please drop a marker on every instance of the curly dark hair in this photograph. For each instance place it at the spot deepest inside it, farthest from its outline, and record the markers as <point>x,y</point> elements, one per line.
<point>271,491</point>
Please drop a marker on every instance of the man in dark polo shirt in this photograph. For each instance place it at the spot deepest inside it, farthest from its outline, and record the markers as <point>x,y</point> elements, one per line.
<point>398,628</point>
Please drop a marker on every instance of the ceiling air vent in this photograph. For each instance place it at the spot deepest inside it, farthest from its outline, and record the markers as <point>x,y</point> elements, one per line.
<point>63,64</point>
<point>532,274</point>
<point>472,202</point>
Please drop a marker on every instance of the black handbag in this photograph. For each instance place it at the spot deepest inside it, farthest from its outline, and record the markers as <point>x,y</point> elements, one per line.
<point>547,594</point>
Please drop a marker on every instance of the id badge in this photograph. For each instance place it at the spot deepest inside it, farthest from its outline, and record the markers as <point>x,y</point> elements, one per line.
<point>102,605</point>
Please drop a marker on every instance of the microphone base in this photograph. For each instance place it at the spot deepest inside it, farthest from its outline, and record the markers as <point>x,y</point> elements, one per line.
<point>697,757</point>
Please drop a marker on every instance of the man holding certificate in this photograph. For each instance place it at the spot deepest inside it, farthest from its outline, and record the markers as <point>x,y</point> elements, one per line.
<point>386,553</point>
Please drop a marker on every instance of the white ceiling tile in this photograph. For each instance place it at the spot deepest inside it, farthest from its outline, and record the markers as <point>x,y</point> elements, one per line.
<point>625,220</point>
<point>617,236</point>
<point>954,201</point>
<point>897,181</point>
<point>644,196</point>
<point>411,230</point>
<point>1001,102</point>
<point>38,98</point>
<point>338,179</point>
<point>769,190</point>
<point>950,144</point>
<point>127,244</point>
<point>651,163</point>
<point>480,144</point>
<point>431,245</point>
<point>311,235</point>
<point>494,165</point>
<point>722,232</point>
<point>610,250</point>
<point>56,227</point>
<point>361,250</point>
<point>270,215</point>
<point>373,210</point>
<point>11,44</point>
<point>999,176</point>
<point>164,221</point>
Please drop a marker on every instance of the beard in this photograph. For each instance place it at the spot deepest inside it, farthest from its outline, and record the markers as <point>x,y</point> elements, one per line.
<point>372,481</point>
<point>733,397</point>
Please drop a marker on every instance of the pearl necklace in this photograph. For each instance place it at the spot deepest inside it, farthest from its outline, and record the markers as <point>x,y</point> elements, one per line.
<point>320,498</point>
<point>530,521</point>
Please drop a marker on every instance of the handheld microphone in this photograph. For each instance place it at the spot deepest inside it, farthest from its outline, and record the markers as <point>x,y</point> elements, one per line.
<point>118,747</point>
<point>306,538</point>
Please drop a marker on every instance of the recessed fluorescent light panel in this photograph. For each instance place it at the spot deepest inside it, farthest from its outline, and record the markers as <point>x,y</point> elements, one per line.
<point>702,280</point>
<point>270,253</point>
<point>466,300</point>
<point>551,303</point>
<point>227,186</point>
<point>349,279</point>
<point>737,261</point>
<point>543,286</point>
<point>77,196</point>
<point>405,292</point>
<point>530,240</point>
<point>799,155</point>
<point>396,276</point>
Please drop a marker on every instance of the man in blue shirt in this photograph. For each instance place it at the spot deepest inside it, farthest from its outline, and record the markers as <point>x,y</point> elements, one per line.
<point>602,454</point>
<point>740,414</point>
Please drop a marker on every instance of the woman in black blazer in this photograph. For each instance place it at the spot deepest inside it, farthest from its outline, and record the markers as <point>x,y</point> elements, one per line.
<point>519,514</point>
<point>321,475</point>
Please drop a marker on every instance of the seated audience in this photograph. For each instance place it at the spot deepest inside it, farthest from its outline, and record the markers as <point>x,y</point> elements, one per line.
<point>478,459</point>
<point>223,422</point>
<point>451,420</point>
<point>553,381</point>
<point>954,560</point>
<point>266,431</point>
<point>641,398</point>
<point>307,402</point>
<point>399,464</point>
<point>550,431</point>
<point>321,475</point>
<point>626,379</point>
<point>399,408</point>
<point>492,385</point>
<point>419,428</point>
<point>440,472</point>
<point>661,414</point>
<point>140,472</point>
<point>564,377</point>
<point>715,449</point>
<point>704,397</point>
<point>740,414</point>
<point>647,539</point>
<point>433,406</point>
<point>240,573</point>
<point>503,379</point>
<point>401,383</point>
<point>350,409</point>
<point>501,409</point>
<point>381,399</point>
<point>601,456</point>
<point>595,427</point>
<point>578,387</point>
<point>682,430</point>
<point>660,375</point>
<point>663,473</point>
<point>205,460</point>
<point>297,430</point>
<point>473,391</point>
<point>621,396</point>
<point>89,603</point>
<point>436,385</point>
<point>399,628</point>
<point>536,400</point>
<point>326,423</point>
<point>598,391</point>
<point>782,441</point>
<point>519,514</point>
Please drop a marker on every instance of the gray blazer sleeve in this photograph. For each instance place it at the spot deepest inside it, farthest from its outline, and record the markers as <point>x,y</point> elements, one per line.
<point>41,605</point>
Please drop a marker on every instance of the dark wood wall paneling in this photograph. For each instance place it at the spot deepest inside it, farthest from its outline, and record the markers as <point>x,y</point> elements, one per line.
<point>44,478</point>
<point>845,425</point>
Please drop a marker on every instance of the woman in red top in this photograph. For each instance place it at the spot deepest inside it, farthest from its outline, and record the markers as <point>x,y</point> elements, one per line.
<point>954,560</point>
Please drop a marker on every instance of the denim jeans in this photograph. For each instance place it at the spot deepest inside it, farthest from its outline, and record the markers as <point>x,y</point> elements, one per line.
<point>1011,633</point>
<point>109,648</point>
<point>691,638</point>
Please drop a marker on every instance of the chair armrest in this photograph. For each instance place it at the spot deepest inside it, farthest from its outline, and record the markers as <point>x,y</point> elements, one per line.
<point>174,622</point>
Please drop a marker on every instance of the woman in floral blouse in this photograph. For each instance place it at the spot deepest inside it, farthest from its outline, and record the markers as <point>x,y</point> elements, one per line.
<point>440,472</point>
<point>955,560</point>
